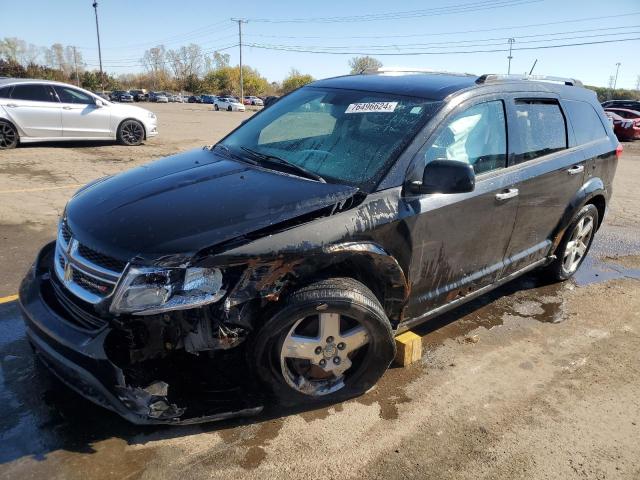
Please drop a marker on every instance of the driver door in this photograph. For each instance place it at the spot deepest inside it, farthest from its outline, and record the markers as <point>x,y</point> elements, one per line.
<point>459,240</point>
<point>81,117</point>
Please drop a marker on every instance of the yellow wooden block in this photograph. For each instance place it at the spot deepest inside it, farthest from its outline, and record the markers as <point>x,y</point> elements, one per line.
<point>408,349</point>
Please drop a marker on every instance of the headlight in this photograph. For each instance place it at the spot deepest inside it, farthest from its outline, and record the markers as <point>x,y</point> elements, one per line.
<point>151,115</point>
<point>148,291</point>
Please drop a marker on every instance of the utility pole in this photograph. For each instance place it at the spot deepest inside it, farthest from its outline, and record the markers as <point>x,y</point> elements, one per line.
<point>511,42</point>
<point>95,8</point>
<point>240,22</point>
<point>75,62</point>
<point>615,82</point>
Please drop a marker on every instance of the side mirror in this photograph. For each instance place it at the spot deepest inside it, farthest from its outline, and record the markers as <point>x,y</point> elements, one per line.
<point>99,103</point>
<point>446,176</point>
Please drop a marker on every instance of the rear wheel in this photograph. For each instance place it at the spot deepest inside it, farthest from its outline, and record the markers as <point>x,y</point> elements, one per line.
<point>575,244</point>
<point>216,108</point>
<point>229,108</point>
<point>8,136</point>
<point>130,132</point>
<point>330,341</point>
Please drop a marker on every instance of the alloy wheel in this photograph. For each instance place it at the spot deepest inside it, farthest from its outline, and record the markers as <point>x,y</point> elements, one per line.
<point>8,136</point>
<point>319,350</point>
<point>578,244</point>
<point>132,132</point>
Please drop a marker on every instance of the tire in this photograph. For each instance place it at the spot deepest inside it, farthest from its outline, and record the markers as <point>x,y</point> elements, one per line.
<point>130,133</point>
<point>563,268</point>
<point>229,109</point>
<point>216,108</point>
<point>361,320</point>
<point>9,137</point>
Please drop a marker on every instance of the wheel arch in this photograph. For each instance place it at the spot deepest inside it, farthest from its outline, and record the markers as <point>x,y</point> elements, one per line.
<point>592,192</point>
<point>365,262</point>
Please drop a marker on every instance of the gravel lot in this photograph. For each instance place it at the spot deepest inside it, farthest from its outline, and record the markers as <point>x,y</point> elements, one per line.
<point>530,381</point>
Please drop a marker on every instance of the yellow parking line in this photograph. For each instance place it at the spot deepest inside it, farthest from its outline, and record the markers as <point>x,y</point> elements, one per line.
<point>8,299</point>
<point>42,189</point>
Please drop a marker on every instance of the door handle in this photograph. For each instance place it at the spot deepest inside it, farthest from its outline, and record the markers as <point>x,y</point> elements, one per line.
<point>12,105</point>
<point>576,169</point>
<point>507,194</point>
<point>66,108</point>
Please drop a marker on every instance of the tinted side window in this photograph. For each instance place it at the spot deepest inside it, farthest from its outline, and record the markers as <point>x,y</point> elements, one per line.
<point>540,127</point>
<point>71,95</point>
<point>477,136</point>
<point>4,92</point>
<point>33,92</point>
<point>586,122</point>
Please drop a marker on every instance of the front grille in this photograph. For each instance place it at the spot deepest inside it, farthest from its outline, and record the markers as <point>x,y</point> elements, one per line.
<point>100,259</point>
<point>84,273</point>
<point>65,232</point>
<point>92,284</point>
<point>72,309</point>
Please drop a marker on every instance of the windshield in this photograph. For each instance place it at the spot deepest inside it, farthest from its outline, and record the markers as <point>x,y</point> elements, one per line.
<point>343,136</point>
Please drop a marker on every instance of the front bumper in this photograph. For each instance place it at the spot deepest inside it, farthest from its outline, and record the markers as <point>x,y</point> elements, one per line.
<point>78,358</point>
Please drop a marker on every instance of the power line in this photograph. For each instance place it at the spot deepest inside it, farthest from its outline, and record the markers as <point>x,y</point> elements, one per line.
<point>472,42</point>
<point>438,11</point>
<point>255,45</point>
<point>440,34</point>
<point>168,40</point>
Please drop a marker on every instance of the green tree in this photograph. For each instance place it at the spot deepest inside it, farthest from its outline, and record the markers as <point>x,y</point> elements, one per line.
<point>295,80</point>
<point>361,64</point>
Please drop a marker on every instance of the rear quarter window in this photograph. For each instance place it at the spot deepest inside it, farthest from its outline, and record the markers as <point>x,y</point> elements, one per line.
<point>540,129</point>
<point>587,126</point>
<point>4,92</point>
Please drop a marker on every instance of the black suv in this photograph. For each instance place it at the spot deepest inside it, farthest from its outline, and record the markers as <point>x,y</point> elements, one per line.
<point>280,263</point>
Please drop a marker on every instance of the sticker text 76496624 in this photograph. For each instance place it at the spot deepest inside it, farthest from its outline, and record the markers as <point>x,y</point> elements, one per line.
<point>369,107</point>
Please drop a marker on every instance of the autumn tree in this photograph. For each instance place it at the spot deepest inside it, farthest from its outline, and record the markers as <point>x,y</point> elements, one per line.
<point>361,64</point>
<point>295,80</point>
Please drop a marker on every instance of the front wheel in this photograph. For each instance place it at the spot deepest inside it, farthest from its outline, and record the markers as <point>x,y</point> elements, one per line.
<point>8,136</point>
<point>575,244</point>
<point>229,108</point>
<point>130,132</point>
<point>330,341</point>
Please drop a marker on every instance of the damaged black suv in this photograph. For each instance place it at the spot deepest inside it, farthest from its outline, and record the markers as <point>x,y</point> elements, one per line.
<point>280,263</point>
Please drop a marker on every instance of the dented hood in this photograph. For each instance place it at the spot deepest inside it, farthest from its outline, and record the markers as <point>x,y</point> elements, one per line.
<point>186,202</point>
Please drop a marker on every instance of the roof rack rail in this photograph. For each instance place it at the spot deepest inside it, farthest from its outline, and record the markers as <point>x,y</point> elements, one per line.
<point>400,70</point>
<point>495,77</point>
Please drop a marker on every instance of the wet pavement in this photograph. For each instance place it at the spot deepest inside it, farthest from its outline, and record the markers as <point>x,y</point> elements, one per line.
<point>43,416</point>
<point>47,431</point>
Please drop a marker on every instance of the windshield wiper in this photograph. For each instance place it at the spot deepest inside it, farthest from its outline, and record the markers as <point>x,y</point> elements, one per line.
<point>273,160</point>
<point>230,154</point>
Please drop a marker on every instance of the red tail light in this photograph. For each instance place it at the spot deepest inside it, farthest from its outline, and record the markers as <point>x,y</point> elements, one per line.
<point>619,150</point>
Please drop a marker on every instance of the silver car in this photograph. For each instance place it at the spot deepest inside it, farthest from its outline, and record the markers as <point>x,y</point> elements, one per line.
<point>42,110</point>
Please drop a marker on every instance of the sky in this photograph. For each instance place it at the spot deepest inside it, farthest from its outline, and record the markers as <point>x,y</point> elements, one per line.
<point>462,32</point>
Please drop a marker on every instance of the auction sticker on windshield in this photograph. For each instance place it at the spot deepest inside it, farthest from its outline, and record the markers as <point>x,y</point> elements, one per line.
<point>368,107</point>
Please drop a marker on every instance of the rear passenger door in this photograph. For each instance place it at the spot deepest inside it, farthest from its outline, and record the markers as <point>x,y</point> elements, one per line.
<point>35,109</point>
<point>550,171</point>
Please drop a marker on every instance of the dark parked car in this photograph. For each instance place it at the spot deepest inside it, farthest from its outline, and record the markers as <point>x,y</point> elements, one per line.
<point>270,100</point>
<point>139,95</point>
<point>208,98</point>
<point>121,96</point>
<point>281,261</point>
<point>194,99</point>
<point>630,104</point>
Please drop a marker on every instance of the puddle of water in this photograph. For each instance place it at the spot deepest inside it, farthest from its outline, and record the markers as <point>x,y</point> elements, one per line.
<point>594,270</point>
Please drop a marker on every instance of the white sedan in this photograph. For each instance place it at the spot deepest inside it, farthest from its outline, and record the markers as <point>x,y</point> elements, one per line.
<point>45,111</point>
<point>228,103</point>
